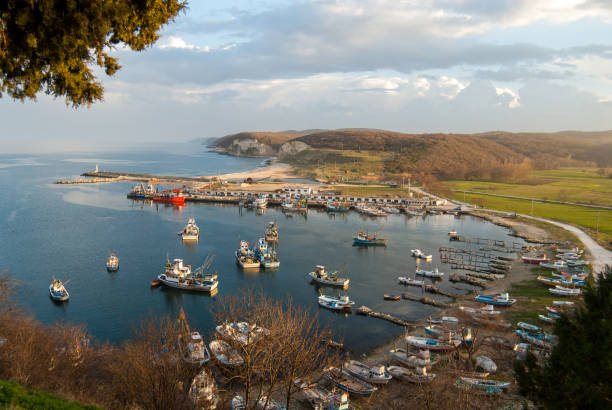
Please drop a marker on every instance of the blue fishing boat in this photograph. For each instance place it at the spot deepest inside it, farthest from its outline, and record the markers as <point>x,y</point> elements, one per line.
<point>497,300</point>
<point>368,239</point>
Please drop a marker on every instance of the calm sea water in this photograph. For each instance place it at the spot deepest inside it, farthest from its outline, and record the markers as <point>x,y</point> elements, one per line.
<point>67,231</point>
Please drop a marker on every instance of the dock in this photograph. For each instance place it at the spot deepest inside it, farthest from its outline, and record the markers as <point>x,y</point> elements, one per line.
<point>425,300</point>
<point>366,311</point>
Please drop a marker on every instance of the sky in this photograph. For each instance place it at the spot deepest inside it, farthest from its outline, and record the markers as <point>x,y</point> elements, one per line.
<point>403,65</point>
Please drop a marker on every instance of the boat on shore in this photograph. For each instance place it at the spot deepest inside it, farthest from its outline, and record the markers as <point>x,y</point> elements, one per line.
<point>485,384</point>
<point>556,265</point>
<point>321,276</point>
<point>179,276</point>
<point>345,381</point>
<point>112,263</point>
<point>529,327</point>
<point>429,273</point>
<point>336,303</point>
<point>368,239</point>
<point>563,291</point>
<point>174,196</point>
<point>405,280</point>
<point>370,374</point>
<point>191,232</point>
<point>422,359</point>
<point>536,260</point>
<point>57,291</point>
<point>418,375</point>
<point>485,310</point>
<point>502,299</point>
<point>431,344</point>
<point>552,281</point>
<point>224,353</point>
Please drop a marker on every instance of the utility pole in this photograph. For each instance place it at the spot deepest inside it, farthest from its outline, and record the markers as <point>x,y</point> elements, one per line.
<point>598,212</point>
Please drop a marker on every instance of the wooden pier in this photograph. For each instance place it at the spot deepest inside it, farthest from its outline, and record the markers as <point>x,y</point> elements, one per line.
<point>425,300</point>
<point>366,311</point>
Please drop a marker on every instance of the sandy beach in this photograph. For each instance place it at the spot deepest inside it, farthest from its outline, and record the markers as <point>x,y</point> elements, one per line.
<point>274,170</point>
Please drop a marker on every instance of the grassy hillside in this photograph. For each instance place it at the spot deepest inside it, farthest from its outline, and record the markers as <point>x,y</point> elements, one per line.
<point>14,396</point>
<point>273,139</point>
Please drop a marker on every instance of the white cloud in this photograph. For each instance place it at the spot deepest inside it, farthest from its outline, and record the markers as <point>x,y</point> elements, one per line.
<point>176,42</point>
<point>512,97</point>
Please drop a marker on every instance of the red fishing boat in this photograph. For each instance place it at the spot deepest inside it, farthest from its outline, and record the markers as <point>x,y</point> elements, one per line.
<point>172,196</point>
<point>535,259</point>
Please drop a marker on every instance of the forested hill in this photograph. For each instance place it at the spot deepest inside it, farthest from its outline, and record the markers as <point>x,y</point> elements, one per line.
<point>446,155</point>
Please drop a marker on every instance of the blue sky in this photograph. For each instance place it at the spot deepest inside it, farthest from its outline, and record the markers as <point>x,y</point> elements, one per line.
<point>403,65</point>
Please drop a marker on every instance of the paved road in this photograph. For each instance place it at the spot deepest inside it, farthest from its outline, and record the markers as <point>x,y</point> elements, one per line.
<point>600,256</point>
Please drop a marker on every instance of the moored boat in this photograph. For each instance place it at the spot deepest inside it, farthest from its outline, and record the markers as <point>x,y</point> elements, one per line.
<point>271,232</point>
<point>335,303</point>
<point>224,353</point>
<point>245,257</point>
<point>179,276</point>
<point>174,196</point>
<point>320,275</point>
<point>241,332</point>
<point>368,239</point>
<point>191,343</point>
<point>57,291</point>
<point>417,253</point>
<point>191,232</point>
<point>387,296</point>
<point>405,280</point>
<point>429,273</point>
<point>112,263</point>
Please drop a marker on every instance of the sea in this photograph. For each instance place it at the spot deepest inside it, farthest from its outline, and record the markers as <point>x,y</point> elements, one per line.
<point>67,231</point>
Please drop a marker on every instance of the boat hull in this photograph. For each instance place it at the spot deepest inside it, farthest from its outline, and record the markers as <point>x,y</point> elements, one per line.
<point>187,286</point>
<point>190,237</point>
<point>365,242</point>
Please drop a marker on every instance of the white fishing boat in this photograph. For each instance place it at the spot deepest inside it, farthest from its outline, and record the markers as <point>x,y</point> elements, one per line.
<point>57,291</point>
<point>556,265</point>
<point>245,257</point>
<point>371,374</point>
<point>224,353</point>
<point>405,280</point>
<point>203,391</point>
<point>562,303</point>
<point>431,344</point>
<point>178,275</point>
<point>112,263</point>
<point>562,291</point>
<point>320,275</point>
<point>191,232</point>
<point>485,310</point>
<point>260,202</point>
<point>485,383</point>
<point>421,359</point>
<point>241,332</point>
<point>417,253</point>
<point>390,210</point>
<point>429,273</point>
<point>335,303</point>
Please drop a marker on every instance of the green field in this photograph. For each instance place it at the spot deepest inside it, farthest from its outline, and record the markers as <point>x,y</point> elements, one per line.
<point>581,185</point>
<point>572,185</point>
